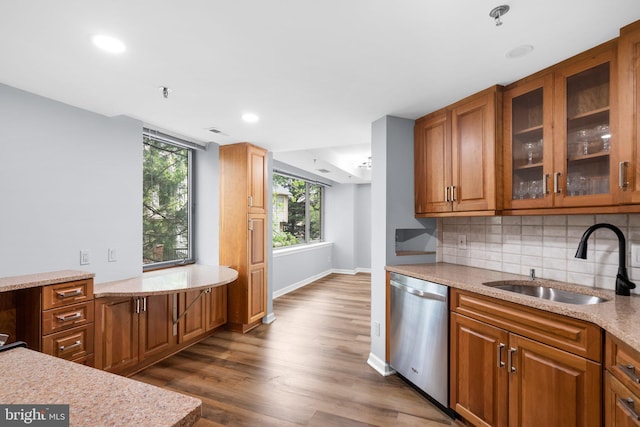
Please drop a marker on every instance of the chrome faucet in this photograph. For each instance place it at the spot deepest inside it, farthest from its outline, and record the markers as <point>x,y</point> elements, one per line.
<point>623,284</point>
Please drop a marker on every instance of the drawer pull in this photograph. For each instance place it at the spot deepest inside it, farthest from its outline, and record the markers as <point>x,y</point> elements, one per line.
<point>69,347</point>
<point>500,362</point>
<point>510,354</point>
<point>74,316</point>
<point>630,370</point>
<point>71,293</point>
<point>628,405</point>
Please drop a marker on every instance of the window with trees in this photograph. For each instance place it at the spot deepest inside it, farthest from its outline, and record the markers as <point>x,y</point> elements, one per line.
<point>166,220</point>
<point>297,211</point>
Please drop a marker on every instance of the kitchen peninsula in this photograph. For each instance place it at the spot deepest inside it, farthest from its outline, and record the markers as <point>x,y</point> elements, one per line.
<point>138,322</point>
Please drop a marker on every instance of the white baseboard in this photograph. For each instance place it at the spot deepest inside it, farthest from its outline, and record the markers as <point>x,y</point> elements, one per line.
<point>351,272</point>
<point>300,284</point>
<point>380,365</point>
<point>269,318</point>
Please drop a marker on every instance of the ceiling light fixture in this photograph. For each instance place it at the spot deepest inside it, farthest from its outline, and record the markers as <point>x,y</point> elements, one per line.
<point>108,43</point>
<point>250,117</point>
<point>165,91</point>
<point>498,12</point>
<point>366,165</point>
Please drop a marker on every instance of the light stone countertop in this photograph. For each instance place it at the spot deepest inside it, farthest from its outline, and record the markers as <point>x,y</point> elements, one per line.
<point>95,398</point>
<point>168,281</point>
<point>620,316</point>
<point>13,283</point>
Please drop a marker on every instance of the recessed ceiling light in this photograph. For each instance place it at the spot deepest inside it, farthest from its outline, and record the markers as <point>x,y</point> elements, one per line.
<point>250,117</point>
<point>108,43</point>
<point>519,51</point>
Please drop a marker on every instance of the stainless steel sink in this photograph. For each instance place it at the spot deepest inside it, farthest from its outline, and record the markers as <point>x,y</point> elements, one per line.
<point>548,293</point>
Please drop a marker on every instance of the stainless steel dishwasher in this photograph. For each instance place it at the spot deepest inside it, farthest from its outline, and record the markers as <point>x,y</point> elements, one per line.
<point>419,335</point>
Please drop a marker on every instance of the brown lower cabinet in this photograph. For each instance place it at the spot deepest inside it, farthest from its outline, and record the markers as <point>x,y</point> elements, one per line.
<point>132,333</point>
<point>622,384</point>
<point>507,370</point>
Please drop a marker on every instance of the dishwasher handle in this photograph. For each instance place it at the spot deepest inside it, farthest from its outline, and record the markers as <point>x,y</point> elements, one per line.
<point>418,292</point>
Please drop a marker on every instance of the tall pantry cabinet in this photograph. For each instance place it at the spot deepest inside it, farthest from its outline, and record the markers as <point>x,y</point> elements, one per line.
<point>243,232</point>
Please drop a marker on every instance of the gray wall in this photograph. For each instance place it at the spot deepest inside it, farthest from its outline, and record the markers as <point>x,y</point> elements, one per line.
<point>296,267</point>
<point>363,227</point>
<point>71,180</point>
<point>340,224</point>
<point>391,207</point>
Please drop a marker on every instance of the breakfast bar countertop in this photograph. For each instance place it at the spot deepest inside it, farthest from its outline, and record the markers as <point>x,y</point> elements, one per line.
<point>13,283</point>
<point>95,398</point>
<point>618,316</point>
<point>167,281</point>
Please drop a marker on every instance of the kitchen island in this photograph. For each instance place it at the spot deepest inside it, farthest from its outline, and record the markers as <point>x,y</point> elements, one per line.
<point>95,398</point>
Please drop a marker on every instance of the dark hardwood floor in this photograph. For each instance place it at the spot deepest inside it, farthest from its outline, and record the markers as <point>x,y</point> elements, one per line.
<point>307,368</point>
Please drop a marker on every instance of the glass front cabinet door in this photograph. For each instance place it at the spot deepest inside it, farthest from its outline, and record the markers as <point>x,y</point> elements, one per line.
<point>559,132</point>
<point>585,153</point>
<point>528,144</point>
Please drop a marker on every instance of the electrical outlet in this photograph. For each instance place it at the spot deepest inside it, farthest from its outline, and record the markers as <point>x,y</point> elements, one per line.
<point>84,257</point>
<point>462,241</point>
<point>111,256</point>
<point>635,255</point>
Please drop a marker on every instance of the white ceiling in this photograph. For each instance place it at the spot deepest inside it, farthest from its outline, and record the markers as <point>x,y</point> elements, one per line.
<point>316,72</point>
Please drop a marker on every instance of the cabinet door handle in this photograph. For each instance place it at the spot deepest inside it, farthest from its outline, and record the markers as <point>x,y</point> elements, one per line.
<point>510,354</point>
<point>71,293</point>
<point>628,405</point>
<point>556,185</point>
<point>545,189</point>
<point>137,305</point>
<point>250,225</point>
<point>447,198</point>
<point>250,201</point>
<point>630,371</point>
<point>144,304</point>
<point>74,316</point>
<point>454,193</point>
<point>622,176</point>
<point>69,347</point>
<point>499,352</point>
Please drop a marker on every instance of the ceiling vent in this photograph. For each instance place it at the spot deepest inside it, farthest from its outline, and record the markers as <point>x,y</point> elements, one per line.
<point>214,130</point>
<point>323,170</point>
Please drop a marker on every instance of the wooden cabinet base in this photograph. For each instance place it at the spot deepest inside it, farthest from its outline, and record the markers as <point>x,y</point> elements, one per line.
<point>243,327</point>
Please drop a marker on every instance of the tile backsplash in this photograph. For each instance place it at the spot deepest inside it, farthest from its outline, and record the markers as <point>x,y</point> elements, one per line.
<point>516,244</point>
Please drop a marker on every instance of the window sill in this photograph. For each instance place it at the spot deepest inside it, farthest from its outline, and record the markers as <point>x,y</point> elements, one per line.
<point>287,250</point>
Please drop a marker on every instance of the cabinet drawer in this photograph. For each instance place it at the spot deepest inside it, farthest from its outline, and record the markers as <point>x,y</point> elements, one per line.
<point>572,335</point>
<point>621,405</point>
<point>624,363</point>
<point>70,316</point>
<point>72,344</point>
<point>62,294</point>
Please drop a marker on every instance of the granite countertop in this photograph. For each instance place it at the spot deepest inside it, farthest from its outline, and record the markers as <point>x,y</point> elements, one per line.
<point>619,316</point>
<point>168,281</point>
<point>13,283</point>
<point>95,398</point>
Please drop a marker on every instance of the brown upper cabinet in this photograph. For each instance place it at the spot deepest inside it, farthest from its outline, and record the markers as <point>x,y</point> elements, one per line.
<point>457,161</point>
<point>559,150</point>
<point>629,101</point>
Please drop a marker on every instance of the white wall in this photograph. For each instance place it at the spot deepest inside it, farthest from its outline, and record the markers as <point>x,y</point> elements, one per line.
<point>363,227</point>
<point>71,180</point>
<point>298,266</point>
<point>339,229</point>
<point>391,207</point>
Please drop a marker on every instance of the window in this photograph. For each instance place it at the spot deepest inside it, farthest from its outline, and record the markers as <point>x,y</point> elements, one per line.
<point>297,211</point>
<point>166,218</point>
